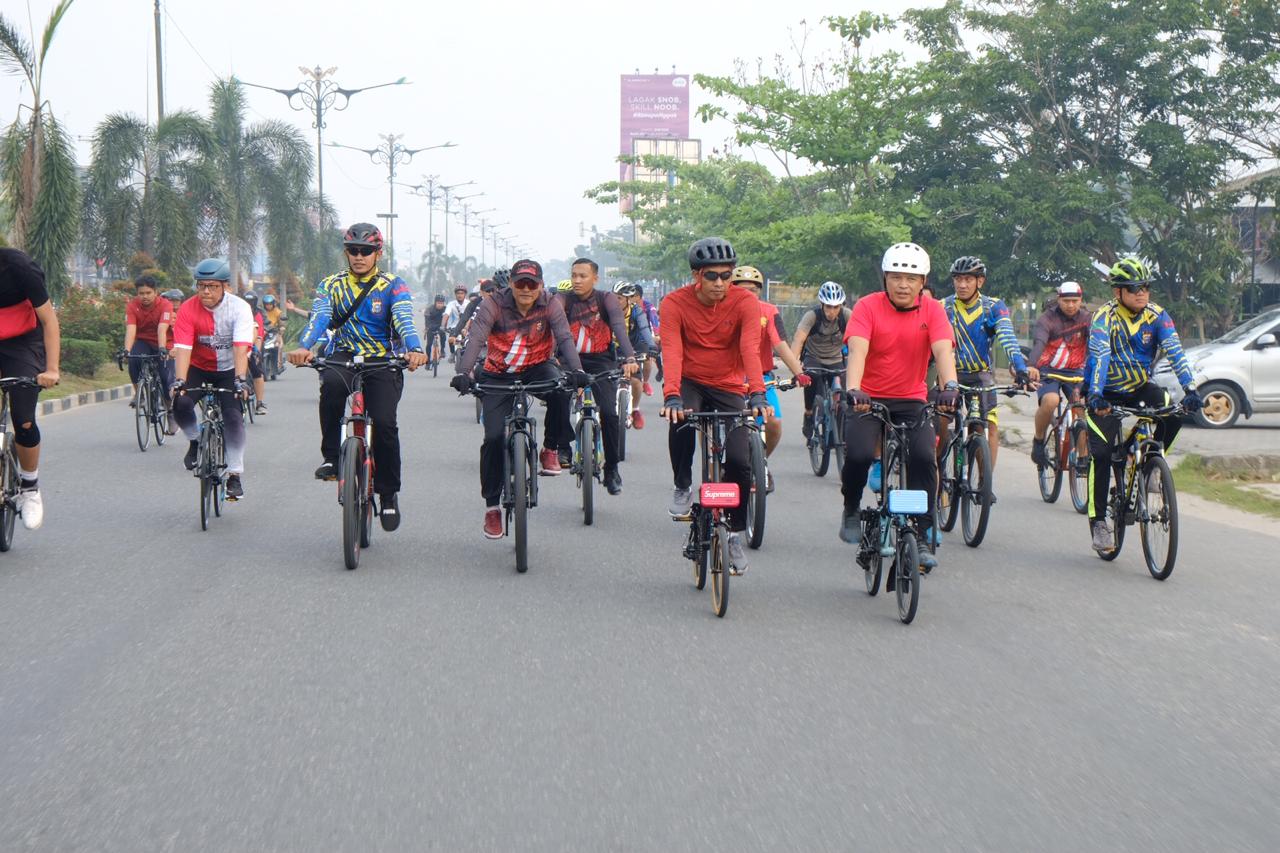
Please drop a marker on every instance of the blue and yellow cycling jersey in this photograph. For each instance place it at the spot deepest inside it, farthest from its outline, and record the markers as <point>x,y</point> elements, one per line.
<point>1123,348</point>
<point>978,325</point>
<point>380,325</point>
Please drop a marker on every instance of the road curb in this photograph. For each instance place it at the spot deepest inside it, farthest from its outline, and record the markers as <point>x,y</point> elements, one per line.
<point>85,398</point>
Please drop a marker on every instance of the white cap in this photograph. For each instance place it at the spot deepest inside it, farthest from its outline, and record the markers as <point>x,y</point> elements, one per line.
<point>1070,288</point>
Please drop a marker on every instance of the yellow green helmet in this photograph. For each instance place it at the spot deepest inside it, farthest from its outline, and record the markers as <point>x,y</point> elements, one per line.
<point>1129,272</point>
<point>565,286</point>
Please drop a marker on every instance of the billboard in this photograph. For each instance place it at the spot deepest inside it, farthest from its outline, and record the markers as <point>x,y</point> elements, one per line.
<point>653,106</point>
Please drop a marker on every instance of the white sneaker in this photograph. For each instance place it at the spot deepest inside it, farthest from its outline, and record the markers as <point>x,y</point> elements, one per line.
<point>31,508</point>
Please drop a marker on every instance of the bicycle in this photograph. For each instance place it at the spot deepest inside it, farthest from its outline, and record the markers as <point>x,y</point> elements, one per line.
<point>588,445</point>
<point>827,438</point>
<point>708,542</point>
<point>1061,444</point>
<point>434,353</point>
<point>888,530</point>
<point>964,467</point>
<point>10,482</point>
<point>249,402</point>
<point>151,411</point>
<point>211,455</point>
<point>355,460</point>
<point>520,474</point>
<point>1143,491</point>
<point>623,408</point>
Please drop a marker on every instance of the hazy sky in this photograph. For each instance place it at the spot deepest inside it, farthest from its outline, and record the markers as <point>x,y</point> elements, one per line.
<point>527,90</point>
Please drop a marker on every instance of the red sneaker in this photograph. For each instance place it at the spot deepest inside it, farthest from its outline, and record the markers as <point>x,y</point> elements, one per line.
<point>550,462</point>
<point>648,390</point>
<point>637,420</point>
<point>493,523</point>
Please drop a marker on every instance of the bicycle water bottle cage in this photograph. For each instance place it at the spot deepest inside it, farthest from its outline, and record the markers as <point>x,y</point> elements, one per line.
<point>720,495</point>
<point>908,502</point>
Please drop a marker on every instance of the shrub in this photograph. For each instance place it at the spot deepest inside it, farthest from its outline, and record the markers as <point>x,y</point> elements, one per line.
<point>83,357</point>
<point>88,315</point>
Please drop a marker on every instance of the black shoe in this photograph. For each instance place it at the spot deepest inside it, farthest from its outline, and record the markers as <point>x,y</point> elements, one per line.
<point>327,471</point>
<point>807,427</point>
<point>193,450</point>
<point>1037,452</point>
<point>234,490</point>
<point>390,514</point>
<point>566,458</point>
<point>613,481</point>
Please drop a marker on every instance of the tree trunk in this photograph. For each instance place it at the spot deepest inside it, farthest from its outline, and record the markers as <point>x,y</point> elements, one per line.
<point>233,261</point>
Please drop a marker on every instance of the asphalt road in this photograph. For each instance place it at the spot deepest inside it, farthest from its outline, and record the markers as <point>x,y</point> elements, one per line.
<point>167,689</point>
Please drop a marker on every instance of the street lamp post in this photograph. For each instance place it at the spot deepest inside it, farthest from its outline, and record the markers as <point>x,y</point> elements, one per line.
<point>448,197</point>
<point>467,213</point>
<point>484,225</point>
<point>318,94</point>
<point>391,153</point>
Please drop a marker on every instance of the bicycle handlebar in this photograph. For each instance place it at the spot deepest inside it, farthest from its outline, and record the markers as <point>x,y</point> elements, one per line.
<point>825,371</point>
<point>880,412</point>
<point>1007,390</point>
<point>18,382</point>
<point>539,387</point>
<point>1143,412</point>
<point>357,366</point>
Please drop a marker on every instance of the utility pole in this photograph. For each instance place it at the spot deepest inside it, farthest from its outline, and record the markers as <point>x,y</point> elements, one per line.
<point>159,70</point>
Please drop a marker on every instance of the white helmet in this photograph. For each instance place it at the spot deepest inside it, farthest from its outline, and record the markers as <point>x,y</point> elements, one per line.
<point>905,257</point>
<point>831,293</point>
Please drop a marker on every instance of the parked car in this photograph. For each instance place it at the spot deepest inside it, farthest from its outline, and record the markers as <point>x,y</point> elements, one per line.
<point>1238,374</point>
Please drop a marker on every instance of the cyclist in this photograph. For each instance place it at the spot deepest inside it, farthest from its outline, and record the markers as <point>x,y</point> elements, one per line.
<point>640,334</point>
<point>598,330</point>
<point>979,322</point>
<point>773,339</point>
<point>486,287</point>
<point>521,326</point>
<point>1125,340</point>
<point>651,314</point>
<point>1059,345</point>
<point>30,345</point>
<point>712,342</point>
<point>255,354</point>
<point>891,336</point>
<point>363,311</point>
<point>820,342</point>
<point>147,320</point>
<point>453,314</point>
<point>433,324</point>
<point>212,336</point>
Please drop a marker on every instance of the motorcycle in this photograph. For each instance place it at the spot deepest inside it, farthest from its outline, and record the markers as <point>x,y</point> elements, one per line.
<point>272,354</point>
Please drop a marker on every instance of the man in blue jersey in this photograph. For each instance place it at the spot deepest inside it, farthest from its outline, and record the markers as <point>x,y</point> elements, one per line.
<point>979,322</point>
<point>363,311</point>
<point>1125,341</point>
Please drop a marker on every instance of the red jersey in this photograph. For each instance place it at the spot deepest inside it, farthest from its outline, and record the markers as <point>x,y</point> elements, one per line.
<point>715,345</point>
<point>901,344</point>
<point>213,335</point>
<point>148,320</point>
<point>517,342</point>
<point>771,334</point>
<point>595,322</point>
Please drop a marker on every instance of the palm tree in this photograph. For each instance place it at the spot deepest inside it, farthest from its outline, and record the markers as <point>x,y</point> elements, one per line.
<point>263,171</point>
<point>39,193</point>
<point>147,187</point>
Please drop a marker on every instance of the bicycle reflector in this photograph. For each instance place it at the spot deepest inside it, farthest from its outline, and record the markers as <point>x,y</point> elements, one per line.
<point>908,502</point>
<point>721,494</point>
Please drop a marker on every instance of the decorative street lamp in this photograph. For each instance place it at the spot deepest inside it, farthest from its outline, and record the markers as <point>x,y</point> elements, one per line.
<point>484,225</point>
<point>467,213</point>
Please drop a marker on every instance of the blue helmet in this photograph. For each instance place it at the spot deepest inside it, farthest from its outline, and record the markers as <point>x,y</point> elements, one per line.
<point>212,269</point>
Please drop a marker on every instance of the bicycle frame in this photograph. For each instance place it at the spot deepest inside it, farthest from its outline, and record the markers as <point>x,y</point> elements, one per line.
<point>1129,456</point>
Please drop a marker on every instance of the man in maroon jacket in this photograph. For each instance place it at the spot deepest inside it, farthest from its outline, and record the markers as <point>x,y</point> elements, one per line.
<point>522,327</point>
<point>710,341</point>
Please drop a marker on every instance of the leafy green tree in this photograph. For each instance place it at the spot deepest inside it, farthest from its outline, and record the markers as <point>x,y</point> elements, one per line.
<point>39,193</point>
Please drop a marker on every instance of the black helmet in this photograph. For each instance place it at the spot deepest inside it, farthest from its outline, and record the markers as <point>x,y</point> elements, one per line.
<point>710,251</point>
<point>502,278</point>
<point>252,299</point>
<point>969,265</point>
<point>363,234</point>
<point>440,297</point>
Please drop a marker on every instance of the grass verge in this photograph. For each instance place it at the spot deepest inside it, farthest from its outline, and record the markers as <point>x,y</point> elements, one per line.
<point>1191,476</point>
<point>106,376</point>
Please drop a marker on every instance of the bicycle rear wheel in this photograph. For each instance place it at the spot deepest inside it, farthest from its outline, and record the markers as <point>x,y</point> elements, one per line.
<point>699,535</point>
<point>720,569</point>
<point>1049,475</point>
<point>587,467</point>
<point>1116,511</point>
<point>756,496</point>
<point>479,410</point>
<point>624,418</point>
<point>141,414</point>
<point>837,439</point>
<point>247,406</point>
<point>160,414</point>
<point>8,507</point>
<point>870,546</point>
<point>366,492</point>
<point>350,463</point>
<point>520,497</point>
<point>206,501</point>
<point>906,579</point>
<point>975,502</point>
<point>1158,518</point>
<point>950,477</point>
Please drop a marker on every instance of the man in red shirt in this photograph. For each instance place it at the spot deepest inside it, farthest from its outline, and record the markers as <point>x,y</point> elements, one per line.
<point>891,336</point>
<point>147,320</point>
<point>521,327</point>
<point>710,342</point>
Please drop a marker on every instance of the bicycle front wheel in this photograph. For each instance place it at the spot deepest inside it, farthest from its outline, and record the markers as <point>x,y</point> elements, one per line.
<point>142,414</point>
<point>351,461</point>
<point>871,553</point>
<point>906,579</point>
<point>975,503</point>
<point>1158,518</point>
<point>8,509</point>
<point>520,497</point>
<point>756,495</point>
<point>720,569</point>
<point>1049,475</point>
<point>479,410</point>
<point>837,440</point>
<point>206,501</point>
<point>819,449</point>
<point>586,467</point>
<point>366,490</point>
<point>216,469</point>
<point>1077,481</point>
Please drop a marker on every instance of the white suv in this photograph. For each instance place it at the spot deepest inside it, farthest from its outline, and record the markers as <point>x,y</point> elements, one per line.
<point>1237,374</point>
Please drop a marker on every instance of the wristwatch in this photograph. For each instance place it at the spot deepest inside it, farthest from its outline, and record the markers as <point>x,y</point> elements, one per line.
<point>951,386</point>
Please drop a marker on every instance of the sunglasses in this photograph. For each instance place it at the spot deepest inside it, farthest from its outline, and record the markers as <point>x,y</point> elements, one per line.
<point>1138,288</point>
<point>361,251</point>
<point>708,275</point>
<point>525,284</point>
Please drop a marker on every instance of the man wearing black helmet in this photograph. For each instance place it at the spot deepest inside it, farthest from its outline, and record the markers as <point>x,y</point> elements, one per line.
<point>433,328</point>
<point>361,312</point>
<point>710,341</point>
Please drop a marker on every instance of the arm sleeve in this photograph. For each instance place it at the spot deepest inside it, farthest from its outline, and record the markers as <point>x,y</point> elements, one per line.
<point>1172,345</point>
<point>402,316</point>
<point>484,320</point>
<point>243,327</point>
<point>672,348</point>
<point>1039,338</point>
<point>1006,336</point>
<point>321,314</point>
<point>613,310</point>
<point>184,333</point>
<point>1099,351</point>
<point>779,325</point>
<point>749,344</point>
<point>563,337</point>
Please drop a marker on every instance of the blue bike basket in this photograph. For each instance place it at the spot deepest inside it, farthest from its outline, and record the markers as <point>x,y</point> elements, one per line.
<point>908,501</point>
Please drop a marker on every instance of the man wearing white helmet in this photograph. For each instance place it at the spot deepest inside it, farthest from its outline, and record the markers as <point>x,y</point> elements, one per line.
<point>1059,347</point>
<point>819,342</point>
<point>891,336</point>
